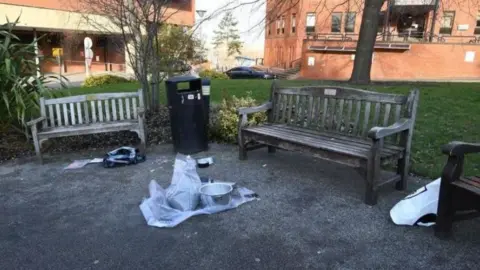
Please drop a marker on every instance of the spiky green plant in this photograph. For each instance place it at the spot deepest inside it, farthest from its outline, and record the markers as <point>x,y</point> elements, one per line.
<point>20,86</point>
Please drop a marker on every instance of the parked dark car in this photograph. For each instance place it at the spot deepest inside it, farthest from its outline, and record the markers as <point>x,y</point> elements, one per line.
<point>249,73</point>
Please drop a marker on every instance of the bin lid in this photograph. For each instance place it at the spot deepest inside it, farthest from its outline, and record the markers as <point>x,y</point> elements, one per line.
<point>185,78</point>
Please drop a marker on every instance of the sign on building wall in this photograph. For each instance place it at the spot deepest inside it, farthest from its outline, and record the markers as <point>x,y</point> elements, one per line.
<point>57,52</point>
<point>311,61</point>
<point>469,56</point>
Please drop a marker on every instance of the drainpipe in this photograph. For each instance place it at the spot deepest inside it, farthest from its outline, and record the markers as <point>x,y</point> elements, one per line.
<point>35,46</point>
<point>434,18</point>
<point>386,23</point>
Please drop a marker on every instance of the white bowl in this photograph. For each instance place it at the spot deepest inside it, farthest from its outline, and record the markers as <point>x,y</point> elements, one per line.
<point>216,189</point>
<point>216,194</point>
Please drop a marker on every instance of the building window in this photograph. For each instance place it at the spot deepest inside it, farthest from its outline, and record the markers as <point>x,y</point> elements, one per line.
<point>350,22</point>
<point>311,20</point>
<point>294,23</point>
<point>447,22</point>
<point>269,29</point>
<point>477,26</point>
<point>283,24</point>
<point>278,25</point>
<point>336,22</point>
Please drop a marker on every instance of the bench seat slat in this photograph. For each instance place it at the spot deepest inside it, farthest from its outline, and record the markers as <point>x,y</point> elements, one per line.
<point>320,140</point>
<point>99,127</point>
<point>468,184</point>
<point>336,138</point>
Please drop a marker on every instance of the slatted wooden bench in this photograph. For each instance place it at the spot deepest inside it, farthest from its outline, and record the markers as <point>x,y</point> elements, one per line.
<point>354,127</point>
<point>88,114</point>
<point>459,197</point>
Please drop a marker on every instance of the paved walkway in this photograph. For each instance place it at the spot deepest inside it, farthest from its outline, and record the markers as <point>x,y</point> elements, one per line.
<point>311,215</point>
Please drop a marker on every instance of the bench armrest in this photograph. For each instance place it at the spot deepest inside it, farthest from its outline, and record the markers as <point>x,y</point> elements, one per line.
<point>456,148</point>
<point>35,121</point>
<point>381,132</point>
<point>248,110</point>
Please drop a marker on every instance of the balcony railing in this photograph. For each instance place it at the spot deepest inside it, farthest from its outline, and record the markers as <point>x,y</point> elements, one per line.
<point>398,38</point>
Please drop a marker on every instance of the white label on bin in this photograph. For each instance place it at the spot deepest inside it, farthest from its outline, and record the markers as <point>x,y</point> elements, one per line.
<point>199,96</point>
<point>190,96</point>
<point>206,90</point>
<point>330,92</point>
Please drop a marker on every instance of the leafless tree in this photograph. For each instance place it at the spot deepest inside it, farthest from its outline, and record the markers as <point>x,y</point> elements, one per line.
<point>137,22</point>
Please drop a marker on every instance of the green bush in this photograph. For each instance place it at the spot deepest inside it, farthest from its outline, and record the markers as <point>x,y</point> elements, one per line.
<point>212,74</point>
<point>224,118</point>
<point>100,80</point>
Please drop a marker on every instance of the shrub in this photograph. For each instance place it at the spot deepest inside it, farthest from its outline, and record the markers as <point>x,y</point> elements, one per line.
<point>224,118</point>
<point>212,74</point>
<point>100,80</point>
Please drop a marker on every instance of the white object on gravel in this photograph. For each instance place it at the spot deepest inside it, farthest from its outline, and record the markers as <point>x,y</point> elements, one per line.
<point>421,203</point>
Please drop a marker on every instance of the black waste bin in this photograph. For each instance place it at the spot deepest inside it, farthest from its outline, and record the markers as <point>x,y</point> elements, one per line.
<point>187,114</point>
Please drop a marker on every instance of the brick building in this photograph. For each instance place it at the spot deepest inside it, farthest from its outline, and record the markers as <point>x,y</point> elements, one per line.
<point>64,27</point>
<point>321,37</point>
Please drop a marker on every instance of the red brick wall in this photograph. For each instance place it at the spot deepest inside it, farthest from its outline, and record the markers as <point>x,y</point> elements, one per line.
<point>422,61</point>
<point>50,4</point>
<point>277,52</point>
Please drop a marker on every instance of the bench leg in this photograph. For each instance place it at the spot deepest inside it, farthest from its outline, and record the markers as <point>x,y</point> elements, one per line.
<point>402,170</point>
<point>445,215</point>
<point>271,149</point>
<point>242,150</point>
<point>143,142</point>
<point>37,144</point>
<point>372,176</point>
<point>371,194</point>
<point>446,197</point>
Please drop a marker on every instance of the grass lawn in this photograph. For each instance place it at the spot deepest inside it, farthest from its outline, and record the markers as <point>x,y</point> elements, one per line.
<point>447,111</point>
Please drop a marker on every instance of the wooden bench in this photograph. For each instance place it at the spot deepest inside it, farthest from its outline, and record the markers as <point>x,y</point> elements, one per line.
<point>88,114</point>
<point>354,127</point>
<point>459,197</point>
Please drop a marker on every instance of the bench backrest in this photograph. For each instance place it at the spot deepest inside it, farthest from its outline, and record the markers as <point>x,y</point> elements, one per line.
<point>338,109</point>
<point>92,108</point>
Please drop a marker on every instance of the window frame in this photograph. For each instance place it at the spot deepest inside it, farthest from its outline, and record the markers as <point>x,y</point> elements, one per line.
<point>476,31</point>
<point>278,25</point>
<point>346,22</point>
<point>294,23</point>
<point>446,30</point>
<point>340,22</point>
<point>310,29</point>
<point>282,24</point>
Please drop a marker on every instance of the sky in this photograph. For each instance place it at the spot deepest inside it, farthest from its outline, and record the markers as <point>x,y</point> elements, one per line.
<point>250,18</point>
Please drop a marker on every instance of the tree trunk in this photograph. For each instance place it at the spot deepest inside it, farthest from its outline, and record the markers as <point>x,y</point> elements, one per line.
<point>366,41</point>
